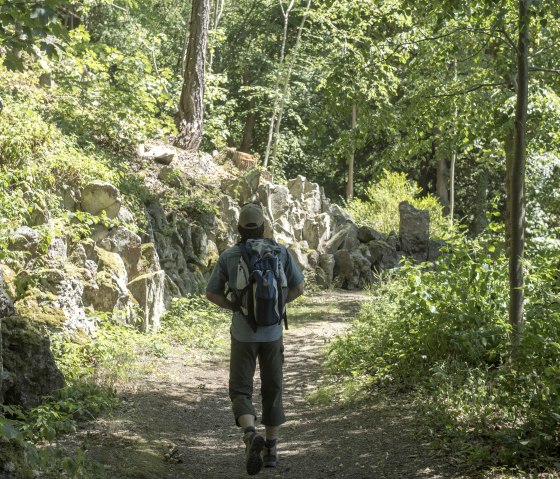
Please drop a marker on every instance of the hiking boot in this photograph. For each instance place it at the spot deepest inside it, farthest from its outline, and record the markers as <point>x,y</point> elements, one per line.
<point>254,444</point>
<point>270,456</point>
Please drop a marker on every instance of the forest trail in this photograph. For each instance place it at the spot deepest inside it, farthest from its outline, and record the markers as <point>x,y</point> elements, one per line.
<point>178,424</point>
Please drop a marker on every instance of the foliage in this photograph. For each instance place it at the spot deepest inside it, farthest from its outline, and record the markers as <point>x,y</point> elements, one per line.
<point>380,210</point>
<point>443,332</point>
<point>34,27</point>
<point>194,322</point>
<point>109,98</point>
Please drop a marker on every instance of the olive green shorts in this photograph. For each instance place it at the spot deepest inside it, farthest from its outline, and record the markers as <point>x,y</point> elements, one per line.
<point>243,362</point>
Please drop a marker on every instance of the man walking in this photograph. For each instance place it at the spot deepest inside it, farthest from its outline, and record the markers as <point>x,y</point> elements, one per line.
<point>250,340</point>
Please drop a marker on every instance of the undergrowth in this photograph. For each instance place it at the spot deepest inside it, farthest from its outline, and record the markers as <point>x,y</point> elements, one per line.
<point>96,366</point>
<point>442,334</point>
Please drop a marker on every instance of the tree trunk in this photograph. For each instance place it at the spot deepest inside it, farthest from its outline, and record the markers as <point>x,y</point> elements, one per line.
<point>191,105</point>
<point>453,154</point>
<point>284,96</point>
<point>442,179</point>
<point>452,187</point>
<point>480,222</point>
<point>218,10</point>
<point>250,121</point>
<point>350,183</point>
<point>286,14</point>
<point>517,192</point>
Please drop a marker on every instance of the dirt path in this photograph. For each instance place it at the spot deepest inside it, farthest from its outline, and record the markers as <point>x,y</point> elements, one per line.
<point>178,424</point>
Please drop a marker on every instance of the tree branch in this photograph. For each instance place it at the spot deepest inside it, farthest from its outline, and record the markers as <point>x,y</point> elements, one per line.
<point>540,69</point>
<point>468,90</point>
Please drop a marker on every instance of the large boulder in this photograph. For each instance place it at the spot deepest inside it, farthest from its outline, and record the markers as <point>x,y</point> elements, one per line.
<point>276,199</point>
<point>414,231</point>
<point>149,291</point>
<point>101,196</point>
<point>345,238</point>
<point>109,292</point>
<point>307,194</point>
<point>244,189</point>
<point>343,269</point>
<point>127,245</point>
<point>29,368</point>
<point>25,239</point>
<point>297,250</point>
<point>317,230</point>
<point>160,154</point>
<point>366,234</point>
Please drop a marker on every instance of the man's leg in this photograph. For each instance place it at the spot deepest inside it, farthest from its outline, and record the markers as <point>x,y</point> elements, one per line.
<point>271,359</point>
<point>243,360</point>
<point>242,369</point>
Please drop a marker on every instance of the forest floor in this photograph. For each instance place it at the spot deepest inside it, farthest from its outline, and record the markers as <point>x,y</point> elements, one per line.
<point>176,423</point>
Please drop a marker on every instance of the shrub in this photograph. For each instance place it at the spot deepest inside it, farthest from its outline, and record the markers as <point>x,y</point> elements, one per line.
<point>194,322</point>
<point>380,210</point>
<point>444,333</point>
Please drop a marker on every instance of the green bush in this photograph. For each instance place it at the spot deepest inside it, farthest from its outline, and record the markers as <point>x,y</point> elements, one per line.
<point>194,322</point>
<point>443,332</point>
<point>380,210</point>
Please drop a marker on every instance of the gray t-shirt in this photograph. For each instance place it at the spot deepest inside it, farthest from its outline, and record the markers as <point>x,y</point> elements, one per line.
<point>225,273</point>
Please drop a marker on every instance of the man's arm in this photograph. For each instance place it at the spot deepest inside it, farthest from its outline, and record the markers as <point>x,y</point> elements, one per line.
<point>295,292</point>
<point>221,301</point>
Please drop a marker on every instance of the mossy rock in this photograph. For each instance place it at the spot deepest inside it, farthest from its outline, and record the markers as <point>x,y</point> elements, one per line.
<point>111,262</point>
<point>38,306</point>
<point>32,372</point>
<point>12,461</point>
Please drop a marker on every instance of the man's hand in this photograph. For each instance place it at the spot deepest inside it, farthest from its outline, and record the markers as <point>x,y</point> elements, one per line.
<point>221,301</point>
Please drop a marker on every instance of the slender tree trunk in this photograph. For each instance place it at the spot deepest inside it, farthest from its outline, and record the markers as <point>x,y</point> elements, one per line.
<point>218,10</point>
<point>191,105</point>
<point>517,192</point>
<point>509,149</point>
<point>453,154</point>
<point>250,121</point>
<point>452,186</point>
<point>286,14</point>
<point>285,92</point>
<point>350,183</point>
<point>480,221</point>
<point>442,179</point>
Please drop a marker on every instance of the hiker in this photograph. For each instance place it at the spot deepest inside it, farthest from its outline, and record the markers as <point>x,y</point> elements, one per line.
<point>230,288</point>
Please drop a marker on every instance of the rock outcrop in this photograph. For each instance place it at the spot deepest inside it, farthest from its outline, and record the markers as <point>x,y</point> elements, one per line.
<point>134,272</point>
<point>27,367</point>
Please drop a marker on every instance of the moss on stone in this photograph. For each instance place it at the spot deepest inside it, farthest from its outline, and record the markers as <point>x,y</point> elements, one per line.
<point>13,453</point>
<point>111,262</point>
<point>18,330</point>
<point>37,305</point>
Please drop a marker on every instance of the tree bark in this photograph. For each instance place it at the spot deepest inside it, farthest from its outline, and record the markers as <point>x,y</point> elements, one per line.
<point>285,92</point>
<point>191,104</point>
<point>286,14</point>
<point>517,192</point>
<point>442,180</point>
<point>453,154</point>
<point>250,121</point>
<point>350,183</point>
<point>218,10</point>
<point>452,187</point>
<point>480,222</point>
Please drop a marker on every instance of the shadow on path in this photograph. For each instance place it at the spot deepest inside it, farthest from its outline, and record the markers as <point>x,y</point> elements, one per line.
<point>180,425</point>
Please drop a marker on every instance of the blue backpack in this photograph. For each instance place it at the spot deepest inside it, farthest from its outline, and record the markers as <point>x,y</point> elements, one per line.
<point>261,285</point>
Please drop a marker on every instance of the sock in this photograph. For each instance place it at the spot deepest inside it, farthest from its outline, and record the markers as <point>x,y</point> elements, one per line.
<point>249,429</point>
<point>270,443</point>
